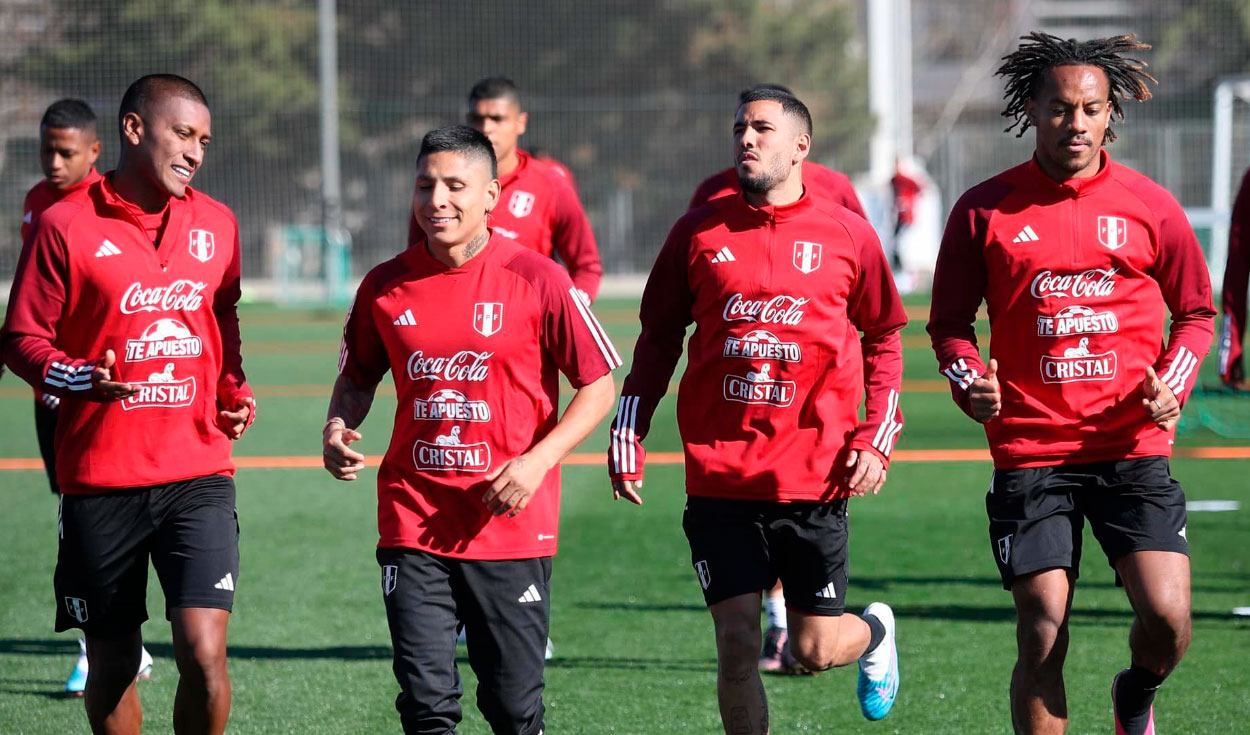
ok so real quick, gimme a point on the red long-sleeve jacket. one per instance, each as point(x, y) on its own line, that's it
point(768, 407)
point(820, 181)
point(93, 281)
point(1236, 281)
point(1078, 278)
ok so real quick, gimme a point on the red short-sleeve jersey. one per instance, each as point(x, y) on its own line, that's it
point(94, 281)
point(475, 353)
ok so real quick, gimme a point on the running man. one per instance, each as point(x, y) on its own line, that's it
point(475, 330)
point(1079, 260)
point(119, 279)
point(779, 285)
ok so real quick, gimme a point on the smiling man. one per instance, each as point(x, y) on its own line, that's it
point(138, 273)
point(475, 330)
point(780, 285)
point(1079, 261)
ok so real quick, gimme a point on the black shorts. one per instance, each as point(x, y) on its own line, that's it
point(504, 607)
point(1037, 514)
point(189, 528)
point(45, 432)
point(743, 546)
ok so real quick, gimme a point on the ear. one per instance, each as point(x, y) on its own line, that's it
point(802, 147)
point(1030, 111)
point(132, 128)
point(94, 152)
point(492, 194)
point(522, 120)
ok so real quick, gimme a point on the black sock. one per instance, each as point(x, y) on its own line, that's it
point(876, 633)
point(1134, 693)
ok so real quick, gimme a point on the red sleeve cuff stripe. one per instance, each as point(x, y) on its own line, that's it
point(1178, 372)
point(624, 459)
point(601, 337)
point(890, 428)
point(959, 373)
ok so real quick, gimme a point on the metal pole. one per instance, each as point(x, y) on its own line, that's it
point(331, 174)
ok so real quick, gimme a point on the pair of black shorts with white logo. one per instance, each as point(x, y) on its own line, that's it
point(1037, 514)
point(743, 546)
point(504, 607)
point(190, 529)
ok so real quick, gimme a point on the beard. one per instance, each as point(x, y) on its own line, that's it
point(777, 171)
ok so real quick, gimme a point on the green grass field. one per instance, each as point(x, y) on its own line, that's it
point(634, 650)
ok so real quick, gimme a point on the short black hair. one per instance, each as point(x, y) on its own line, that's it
point(145, 89)
point(69, 113)
point(460, 139)
point(1025, 70)
point(764, 85)
point(495, 88)
point(790, 104)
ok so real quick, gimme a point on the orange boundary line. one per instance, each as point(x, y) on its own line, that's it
point(596, 458)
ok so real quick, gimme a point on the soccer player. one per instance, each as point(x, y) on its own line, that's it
point(475, 329)
point(779, 284)
point(1079, 260)
point(538, 206)
point(818, 181)
point(1236, 280)
point(125, 310)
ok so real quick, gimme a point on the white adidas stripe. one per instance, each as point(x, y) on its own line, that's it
point(601, 337)
point(226, 583)
point(959, 373)
point(828, 592)
point(888, 428)
point(624, 455)
point(69, 377)
point(1177, 374)
point(530, 595)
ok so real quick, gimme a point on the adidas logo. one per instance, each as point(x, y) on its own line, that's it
point(828, 592)
point(226, 583)
point(406, 319)
point(723, 256)
point(1027, 235)
point(107, 249)
point(531, 595)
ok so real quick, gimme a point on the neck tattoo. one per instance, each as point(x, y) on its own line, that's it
point(476, 244)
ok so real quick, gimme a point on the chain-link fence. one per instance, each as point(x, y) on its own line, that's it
point(635, 96)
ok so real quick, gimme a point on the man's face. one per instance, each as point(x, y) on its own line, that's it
point(453, 194)
point(500, 120)
point(67, 155)
point(169, 140)
point(1071, 112)
point(767, 144)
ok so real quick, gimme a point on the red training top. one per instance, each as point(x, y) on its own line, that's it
point(1236, 281)
point(94, 281)
point(768, 407)
point(820, 181)
point(1076, 276)
point(540, 209)
point(474, 352)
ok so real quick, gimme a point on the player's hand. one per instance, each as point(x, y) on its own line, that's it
point(985, 396)
point(234, 423)
point(513, 483)
point(340, 461)
point(103, 387)
point(1160, 402)
point(627, 489)
point(866, 473)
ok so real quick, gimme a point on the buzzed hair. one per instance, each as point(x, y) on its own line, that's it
point(495, 88)
point(460, 139)
point(69, 113)
point(790, 104)
point(763, 85)
point(146, 90)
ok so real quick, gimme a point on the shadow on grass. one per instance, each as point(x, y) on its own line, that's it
point(633, 664)
point(640, 606)
point(882, 583)
point(56, 647)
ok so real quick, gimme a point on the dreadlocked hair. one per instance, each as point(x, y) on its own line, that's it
point(1025, 70)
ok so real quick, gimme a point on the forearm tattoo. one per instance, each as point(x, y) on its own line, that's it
point(349, 402)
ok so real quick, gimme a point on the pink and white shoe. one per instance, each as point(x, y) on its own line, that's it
point(1119, 729)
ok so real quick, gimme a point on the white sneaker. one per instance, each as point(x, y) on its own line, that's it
point(76, 684)
point(878, 671)
point(145, 666)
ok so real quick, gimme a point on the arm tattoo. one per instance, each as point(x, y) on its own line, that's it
point(350, 402)
point(739, 721)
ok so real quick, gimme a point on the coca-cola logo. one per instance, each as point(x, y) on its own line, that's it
point(181, 295)
point(1094, 282)
point(779, 309)
point(464, 365)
